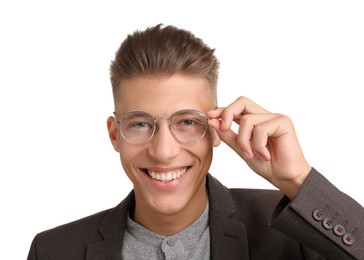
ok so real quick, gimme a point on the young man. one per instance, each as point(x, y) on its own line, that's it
point(165, 125)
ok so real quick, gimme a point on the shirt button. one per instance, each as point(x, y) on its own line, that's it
point(339, 230)
point(170, 242)
point(328, 223)
point(318, 214)
point(348, 239)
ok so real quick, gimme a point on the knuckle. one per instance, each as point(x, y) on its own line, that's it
point(242, 99)
point(284, 118)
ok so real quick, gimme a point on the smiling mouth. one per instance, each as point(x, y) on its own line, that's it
point(166, 176)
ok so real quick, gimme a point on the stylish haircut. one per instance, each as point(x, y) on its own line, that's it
point(163, 51)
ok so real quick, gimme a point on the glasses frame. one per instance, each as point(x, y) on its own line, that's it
point(155, 120)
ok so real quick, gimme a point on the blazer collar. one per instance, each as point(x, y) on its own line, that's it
point(228, 239)
point(112, 232)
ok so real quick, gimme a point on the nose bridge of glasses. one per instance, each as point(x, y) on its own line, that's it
point(166, 128)
point(157, 127)
point(156, 119)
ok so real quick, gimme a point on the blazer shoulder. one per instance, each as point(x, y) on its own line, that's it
point(69, 241)
point(84, 229)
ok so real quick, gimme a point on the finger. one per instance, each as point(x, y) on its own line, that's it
point(229, 137)
point(215, 113)
point(272, 129)
point(247, 126)
point(237, 109)
point(245, 106)
point(226, 120)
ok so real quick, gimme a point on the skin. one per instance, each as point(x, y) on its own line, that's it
point(165, 208)
point(266, 141)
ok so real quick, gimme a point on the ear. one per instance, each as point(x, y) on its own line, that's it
point(215, 138)
point(113, 132)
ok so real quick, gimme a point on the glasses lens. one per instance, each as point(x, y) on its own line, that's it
point(189, 125)
point(136, 127)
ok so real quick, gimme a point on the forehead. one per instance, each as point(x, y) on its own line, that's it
point(164, 95)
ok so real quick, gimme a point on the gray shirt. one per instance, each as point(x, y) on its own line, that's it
point(191, 243)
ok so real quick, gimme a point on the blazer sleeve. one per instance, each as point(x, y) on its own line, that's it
point(32, 253)
point(323, 218)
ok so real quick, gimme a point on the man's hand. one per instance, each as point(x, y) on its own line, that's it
point(266, 141)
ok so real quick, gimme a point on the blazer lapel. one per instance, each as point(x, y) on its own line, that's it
point(228, 237)
point(112, 232)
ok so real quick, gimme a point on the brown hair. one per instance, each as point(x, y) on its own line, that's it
point(159, 51)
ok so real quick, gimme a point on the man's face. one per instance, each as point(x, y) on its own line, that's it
point(164, 154)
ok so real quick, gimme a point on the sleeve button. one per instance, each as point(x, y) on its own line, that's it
point(339, 230)
point(348, 239)
point(318, 214)
point(328, 223)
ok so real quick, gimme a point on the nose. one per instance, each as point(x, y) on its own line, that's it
point(163, 146)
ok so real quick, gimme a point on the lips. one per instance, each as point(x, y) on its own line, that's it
point(166, 176)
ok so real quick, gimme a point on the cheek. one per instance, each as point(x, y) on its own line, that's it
point(128, 155)
point(203, 150)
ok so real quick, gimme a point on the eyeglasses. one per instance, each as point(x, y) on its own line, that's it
point(187, 126)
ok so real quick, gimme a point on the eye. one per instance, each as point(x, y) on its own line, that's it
point(187, 122)
point(136, 122)
point(139, 125)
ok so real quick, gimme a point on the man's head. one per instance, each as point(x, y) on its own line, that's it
point(157, 76)
point(163, 51)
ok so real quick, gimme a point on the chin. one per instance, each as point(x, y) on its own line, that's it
point(169, 206)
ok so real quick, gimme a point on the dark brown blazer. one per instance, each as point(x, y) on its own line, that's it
point(244, 224)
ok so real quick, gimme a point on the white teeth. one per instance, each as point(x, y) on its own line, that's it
point(167, 176)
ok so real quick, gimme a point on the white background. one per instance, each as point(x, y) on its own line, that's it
point(304, 59)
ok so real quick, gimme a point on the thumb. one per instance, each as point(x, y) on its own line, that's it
point(227, 136)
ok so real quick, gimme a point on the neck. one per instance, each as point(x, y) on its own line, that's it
point(167, 224)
